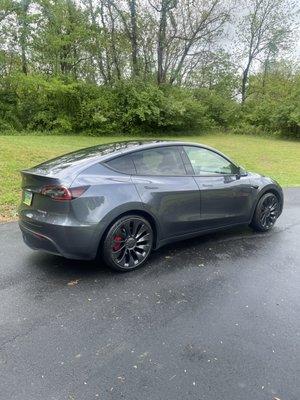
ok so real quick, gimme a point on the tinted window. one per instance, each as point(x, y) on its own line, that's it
point(207, 162)
point(159, 161)
point(122, 164)
point(60, 163)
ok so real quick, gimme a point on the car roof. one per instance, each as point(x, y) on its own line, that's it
point(149, 144)
point(78, 160)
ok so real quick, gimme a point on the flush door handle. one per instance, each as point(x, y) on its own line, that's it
point(150, 187)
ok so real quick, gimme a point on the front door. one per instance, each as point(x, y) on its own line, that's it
point(226, 197)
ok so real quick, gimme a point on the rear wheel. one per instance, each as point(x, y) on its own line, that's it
point(128, 243)
point(266, 213)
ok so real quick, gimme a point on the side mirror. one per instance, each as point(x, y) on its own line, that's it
point(241, 172)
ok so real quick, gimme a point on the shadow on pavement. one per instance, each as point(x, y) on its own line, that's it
point(56, 267)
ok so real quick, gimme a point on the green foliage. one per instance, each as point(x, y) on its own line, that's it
point(223, 111)
point(274, 105)
point(53, 104)
point(36, 103)
point(96, 114)
point(134, 107)
point(182, 111)
point(93, 67)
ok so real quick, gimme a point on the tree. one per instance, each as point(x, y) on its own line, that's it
point(263, 30)
point(61, 39)
point(133, 37)
point(131, 29)
point(23, 22)
point(164, 8)
point(185, 28)
point(113, 64)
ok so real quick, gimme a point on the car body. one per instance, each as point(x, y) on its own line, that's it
point(182, 189)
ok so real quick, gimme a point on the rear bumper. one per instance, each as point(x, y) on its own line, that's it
point(74, 242)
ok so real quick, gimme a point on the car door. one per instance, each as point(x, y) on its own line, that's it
point(226, 196)
point(166, 190)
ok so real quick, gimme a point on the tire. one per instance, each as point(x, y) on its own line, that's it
point(128, 243)
point(266, 213)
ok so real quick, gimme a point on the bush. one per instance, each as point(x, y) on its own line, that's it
point(276, 109)
point(141, 107)
point(55, 105)
point(223, 111)
point(51, 104)
point(181, 111)
point(37, 103)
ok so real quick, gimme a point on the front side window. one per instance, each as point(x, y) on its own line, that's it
point(207, 162)
point(159, 161)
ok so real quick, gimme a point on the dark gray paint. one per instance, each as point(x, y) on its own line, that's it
point(178, 207)
point(225, 200)
point(221, 311)
point(175, 200)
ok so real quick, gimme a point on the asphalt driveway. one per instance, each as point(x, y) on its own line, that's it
point(214, 318)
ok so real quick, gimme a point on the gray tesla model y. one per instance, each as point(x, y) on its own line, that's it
point(119, 201)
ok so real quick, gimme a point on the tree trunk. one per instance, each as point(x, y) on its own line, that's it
point(265, 72)
point(245, 81)
point(161, 45)
point(133, 38)
point(24, 33)
point(113, 43)
point(99, 59)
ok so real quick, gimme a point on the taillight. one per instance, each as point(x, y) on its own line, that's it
point(58, 192)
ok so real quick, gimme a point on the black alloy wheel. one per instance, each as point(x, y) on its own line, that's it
point(128, 243)
point(266, 213)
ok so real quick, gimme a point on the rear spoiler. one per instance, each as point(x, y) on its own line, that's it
point(34, 182)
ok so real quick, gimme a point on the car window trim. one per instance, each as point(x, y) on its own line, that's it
point(186, 161)
point(180, 148)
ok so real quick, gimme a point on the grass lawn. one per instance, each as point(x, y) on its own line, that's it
point(277, 158)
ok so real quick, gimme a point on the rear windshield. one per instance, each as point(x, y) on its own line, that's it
point(60, 163)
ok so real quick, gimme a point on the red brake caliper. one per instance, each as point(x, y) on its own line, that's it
point(118, 241)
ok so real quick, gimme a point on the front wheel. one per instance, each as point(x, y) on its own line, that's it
point(266, 213)
point(128, 243)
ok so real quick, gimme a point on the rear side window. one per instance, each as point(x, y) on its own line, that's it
point(122, 164)
point(159, 161)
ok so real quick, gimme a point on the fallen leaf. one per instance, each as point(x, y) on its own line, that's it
point(73, 283)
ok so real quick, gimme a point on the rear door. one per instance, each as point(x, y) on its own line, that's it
point(166, 190)
point(226, 197)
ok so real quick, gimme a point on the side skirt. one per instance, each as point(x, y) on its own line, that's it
point(172, 239)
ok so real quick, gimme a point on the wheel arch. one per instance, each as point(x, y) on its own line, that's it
point(265, 190)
